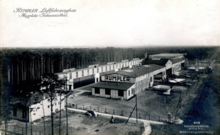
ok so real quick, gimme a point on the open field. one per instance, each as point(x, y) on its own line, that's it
point(79, 124)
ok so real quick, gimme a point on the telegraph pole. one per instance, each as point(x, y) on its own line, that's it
point(66, 109)
point(136, 110)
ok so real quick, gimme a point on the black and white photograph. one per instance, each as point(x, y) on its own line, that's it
point(109, 67)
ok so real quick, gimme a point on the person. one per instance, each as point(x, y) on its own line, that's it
point(112, 120)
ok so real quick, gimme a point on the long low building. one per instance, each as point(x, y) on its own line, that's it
point(79, 77)
point(125, 83)
point(167, 64)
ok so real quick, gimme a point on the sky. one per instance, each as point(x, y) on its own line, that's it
point(112, 23)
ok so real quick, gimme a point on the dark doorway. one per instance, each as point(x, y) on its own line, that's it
point(79, 82)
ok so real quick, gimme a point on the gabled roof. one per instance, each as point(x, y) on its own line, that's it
point(113, 85)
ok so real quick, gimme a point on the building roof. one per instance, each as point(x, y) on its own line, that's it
point(136, 71)
point(167, 55)
point(176, 60)
point(157, 61)
point(113, 85)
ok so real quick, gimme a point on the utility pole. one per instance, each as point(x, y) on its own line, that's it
point(66, 109)
point(180, 100)
point(60, 115)
point(136, 110)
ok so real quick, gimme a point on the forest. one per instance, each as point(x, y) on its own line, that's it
point(29, 64)
point(22, 68)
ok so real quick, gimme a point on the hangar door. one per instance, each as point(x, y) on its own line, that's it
point(79, 82)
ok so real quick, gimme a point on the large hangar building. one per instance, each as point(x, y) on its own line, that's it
point(81, 77)
point(123, 84)
point(126, 78)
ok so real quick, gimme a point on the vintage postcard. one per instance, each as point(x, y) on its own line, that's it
point(109, 67)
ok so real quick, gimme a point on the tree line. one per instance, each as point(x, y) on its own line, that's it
point(22, 68)
point(25, 64)
point(30, 64)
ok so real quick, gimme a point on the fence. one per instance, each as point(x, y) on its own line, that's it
point(18, 130)
point(145, 116)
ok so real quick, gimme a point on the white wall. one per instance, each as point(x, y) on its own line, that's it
point(127, 92)
point(41, 109)
point(113, 66)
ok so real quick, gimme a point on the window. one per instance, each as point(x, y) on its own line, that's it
point(151, 79)
point(105, 68)
point(120, 93)
point(109, 67)
point(93, 71)
point(82, 73)
point(76, 74)
point(97, 91)
point(97, 70)
point(87, 72)
point(107, 91)
point(133, 91)
point(129, 93)
point(102, 69)
point(14, 111)
point(48, 106)
point(70, 75)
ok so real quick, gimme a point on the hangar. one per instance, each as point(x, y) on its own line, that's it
point(123, 84)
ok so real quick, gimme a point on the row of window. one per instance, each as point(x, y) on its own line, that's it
point(108, 92)
point(110, 68)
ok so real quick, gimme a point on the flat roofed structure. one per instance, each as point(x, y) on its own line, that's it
point(156, 61)
point(113, 85)
point(167, 55)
